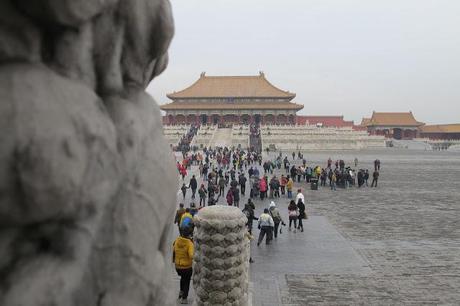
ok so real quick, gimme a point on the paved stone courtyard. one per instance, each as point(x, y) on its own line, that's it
point(398, 244)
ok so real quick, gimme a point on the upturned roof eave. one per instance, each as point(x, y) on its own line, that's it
point(290, 106)
point(173, 97)
point(391, 125)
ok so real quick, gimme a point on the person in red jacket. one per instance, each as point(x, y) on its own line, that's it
point(263, 187)
point(230, 197)
point(283, 182)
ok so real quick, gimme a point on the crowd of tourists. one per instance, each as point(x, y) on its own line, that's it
point(184, 145)
point(231, 173)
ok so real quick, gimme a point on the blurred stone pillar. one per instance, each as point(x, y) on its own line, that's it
point(221, 261)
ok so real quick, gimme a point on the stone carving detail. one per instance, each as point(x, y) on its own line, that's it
point(221, 261)
point(84, 169)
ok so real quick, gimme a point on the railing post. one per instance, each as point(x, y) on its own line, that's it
point(221, 261)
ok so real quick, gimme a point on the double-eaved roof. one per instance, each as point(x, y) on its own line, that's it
point(231, 87)
point(393, 119)
point(231, 92)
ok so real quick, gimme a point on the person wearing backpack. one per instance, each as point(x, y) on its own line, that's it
point(183, 251)
point(276, 216)
point(248, 211)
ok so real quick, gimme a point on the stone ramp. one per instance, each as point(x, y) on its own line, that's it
point(222, 138)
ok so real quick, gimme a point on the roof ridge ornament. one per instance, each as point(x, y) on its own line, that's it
point(203, 74)
point(261, 73)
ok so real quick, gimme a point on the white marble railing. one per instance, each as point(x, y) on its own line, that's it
point(316, 138)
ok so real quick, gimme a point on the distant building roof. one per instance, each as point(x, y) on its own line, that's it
point(393, 119)
point(231, 105)
point(365, 121)
point(327, 121)
point(441, 128)
point(231, 87)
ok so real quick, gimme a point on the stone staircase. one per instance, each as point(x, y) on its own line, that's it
point(255, 139)
point(222, 138)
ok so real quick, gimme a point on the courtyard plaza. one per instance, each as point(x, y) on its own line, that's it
point(398, 244)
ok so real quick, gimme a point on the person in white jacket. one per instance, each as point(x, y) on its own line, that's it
point(266, 225)
point(299, 196)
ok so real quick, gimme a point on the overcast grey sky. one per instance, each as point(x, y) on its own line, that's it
point(345, 57)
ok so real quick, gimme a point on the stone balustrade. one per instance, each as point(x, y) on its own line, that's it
point(307, 137)
point(204, 135)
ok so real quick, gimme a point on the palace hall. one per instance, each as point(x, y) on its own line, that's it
point(227, 100)
point(395, 125)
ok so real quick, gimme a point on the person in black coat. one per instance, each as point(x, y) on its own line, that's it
point(301, 207)
point(249, 212)
point(375, 178)
point(236, 196)
point(193, 184)
point(293, 172)
point(242, 180)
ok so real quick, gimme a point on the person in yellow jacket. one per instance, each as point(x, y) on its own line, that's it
point(318, 171)
point(289, 185)
point(183, 250)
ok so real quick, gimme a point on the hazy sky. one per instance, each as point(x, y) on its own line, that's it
point(345, 57)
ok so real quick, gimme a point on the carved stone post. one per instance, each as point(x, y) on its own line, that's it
point(221, 260)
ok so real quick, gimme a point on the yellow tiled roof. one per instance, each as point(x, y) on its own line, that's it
point(365, 121)
point(393, 119)
point(224, 106)
point(231, 87)
point(441, 128)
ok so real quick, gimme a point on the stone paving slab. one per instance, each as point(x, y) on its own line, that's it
point(400, 242)
point(319, 249)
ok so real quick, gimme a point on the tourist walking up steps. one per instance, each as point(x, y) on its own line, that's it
point(293, 213)
point(266, 225)
point(183, 257)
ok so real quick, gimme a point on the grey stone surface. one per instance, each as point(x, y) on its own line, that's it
point(221, 259)
point(84, 168)
point(398, 244)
